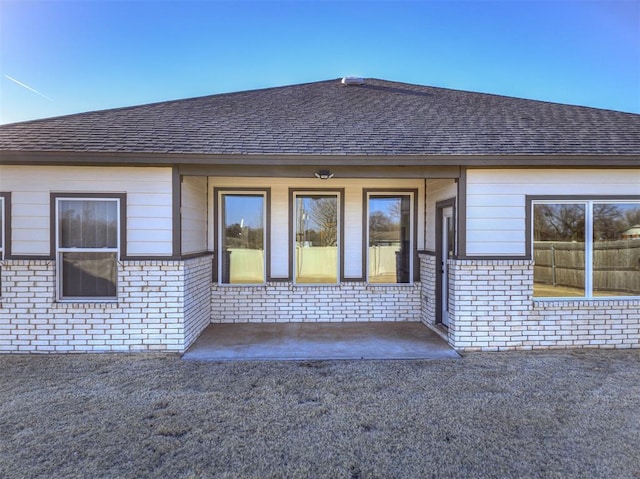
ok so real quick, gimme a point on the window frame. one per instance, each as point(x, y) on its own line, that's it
point(588, 202)
point(57, 251)
point(389, 193)
point(218, 192)
point(339, 193)
point(413, 234)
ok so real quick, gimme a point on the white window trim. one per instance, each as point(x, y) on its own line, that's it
point(220, 230)
point(588, 248)
point(60, 251)
point(331, 193)
point(391, 194)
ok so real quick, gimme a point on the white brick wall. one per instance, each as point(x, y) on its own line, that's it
point(492, 309)
point(197, 297)
point(149, 314)
point(428, 280)
point(285, 302)
point(164, 305)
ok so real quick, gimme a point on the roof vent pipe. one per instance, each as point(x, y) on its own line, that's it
point(352, 81)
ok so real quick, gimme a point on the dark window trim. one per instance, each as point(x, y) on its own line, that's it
point(6, 227)
point(292, 193)
point(529, 199)
point(365, 223)
point(122, 250)
point(53, 217)
point(216, 227)
point(278, 280)
point(440, 206)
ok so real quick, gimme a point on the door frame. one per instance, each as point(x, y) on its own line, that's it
point(440, 254)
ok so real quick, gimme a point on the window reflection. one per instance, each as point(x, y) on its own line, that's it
point(243, 242)
point(87, 245)
point(89, 275)
point(316, 238)
point(389, 239)
point(616, 249)
point(88, 224)
point(559, 250)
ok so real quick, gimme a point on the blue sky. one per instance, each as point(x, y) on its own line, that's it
point(89, 55)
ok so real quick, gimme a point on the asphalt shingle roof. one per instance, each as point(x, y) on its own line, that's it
point(328, 118)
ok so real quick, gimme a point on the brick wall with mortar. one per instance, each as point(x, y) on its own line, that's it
point(492, 309)
point(428, 281)
point(148, 315)
point(197, 297)
point(285, 302)
point(164, 305)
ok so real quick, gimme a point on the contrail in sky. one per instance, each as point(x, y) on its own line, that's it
point(27, 87)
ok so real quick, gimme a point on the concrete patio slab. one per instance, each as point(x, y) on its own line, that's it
point(315, 341)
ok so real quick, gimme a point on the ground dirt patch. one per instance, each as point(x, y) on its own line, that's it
point(548, 414)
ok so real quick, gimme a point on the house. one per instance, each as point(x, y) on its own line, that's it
point(632, 233)
point(498, 222)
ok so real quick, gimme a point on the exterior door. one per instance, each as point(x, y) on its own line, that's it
point(445, 250)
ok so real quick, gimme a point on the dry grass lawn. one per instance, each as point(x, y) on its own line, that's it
point(502, 415)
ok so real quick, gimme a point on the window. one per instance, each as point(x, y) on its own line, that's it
point(87, 247)
point(616, 249)
point(389, 233)
point(317, 237)
point(242, 238)
point(586, 248)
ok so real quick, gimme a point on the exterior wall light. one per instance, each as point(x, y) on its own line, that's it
point(323, 174)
